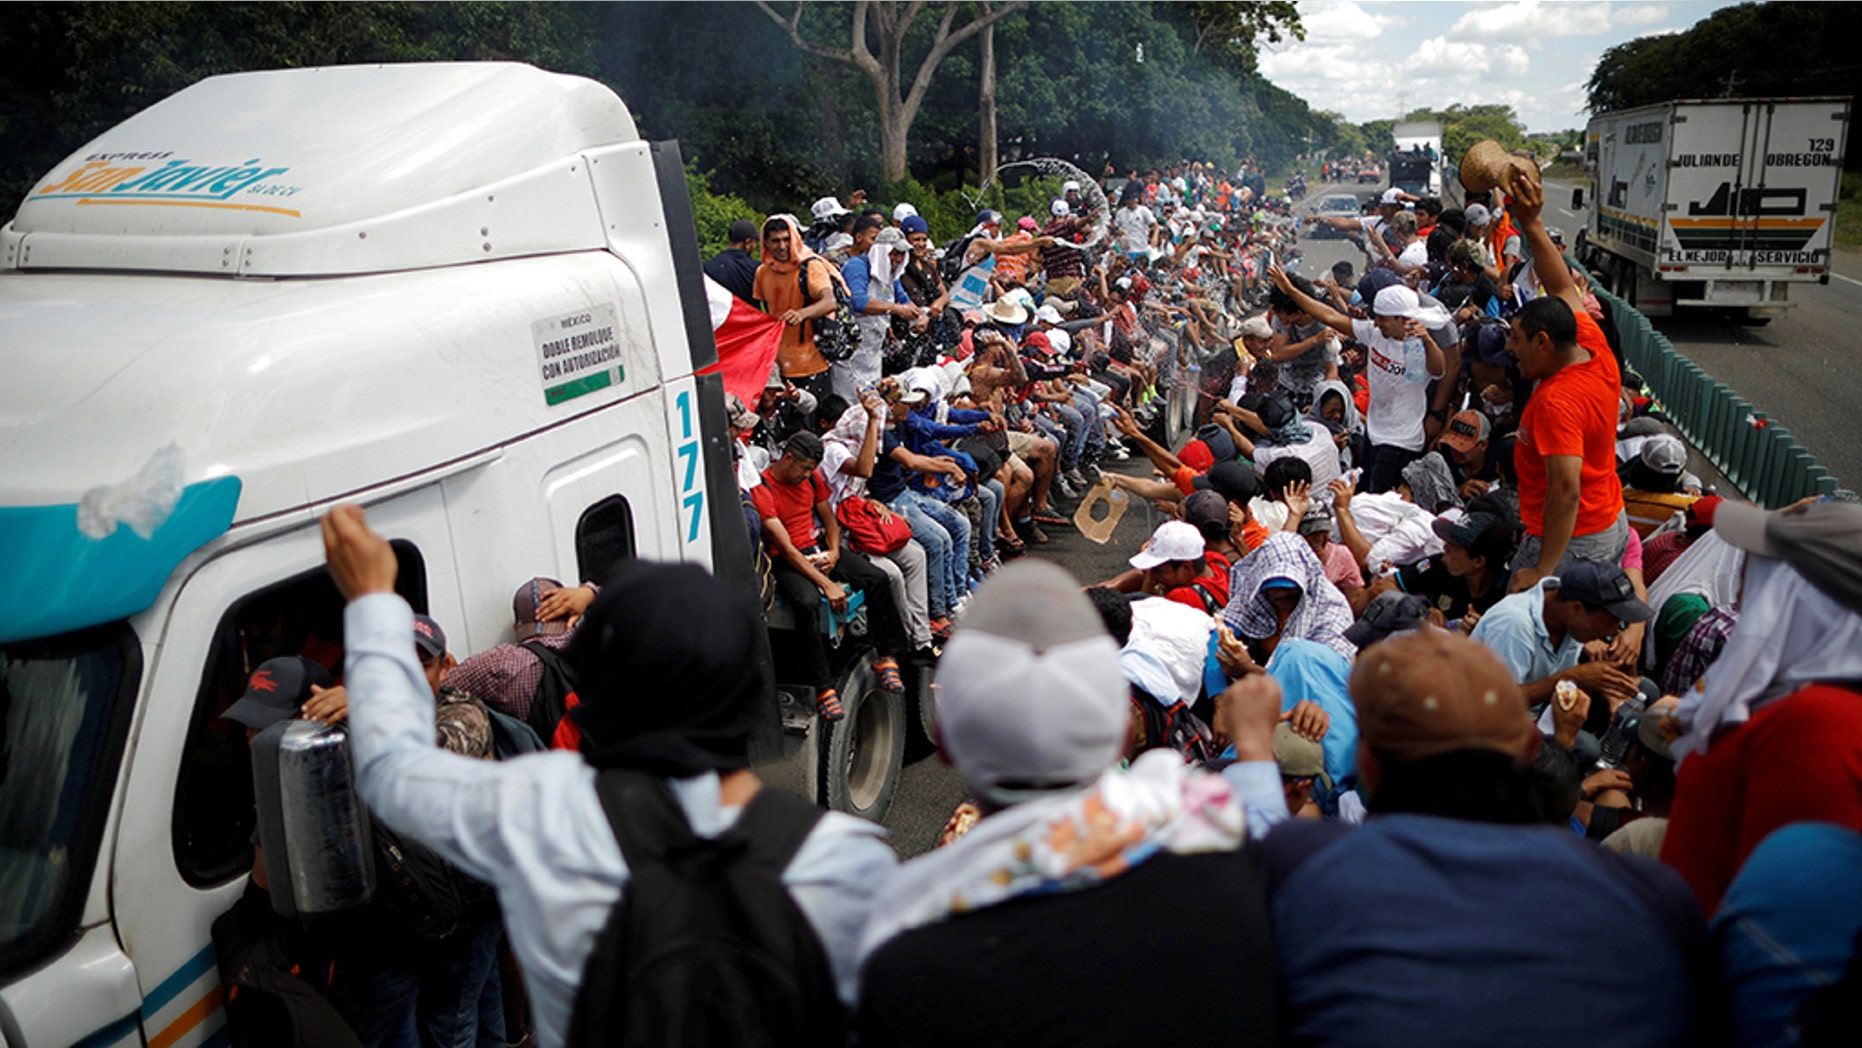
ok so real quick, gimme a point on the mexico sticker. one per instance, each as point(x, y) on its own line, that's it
point(578, 353)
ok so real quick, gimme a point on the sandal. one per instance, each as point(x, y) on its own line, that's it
point(827, 704)
point(1047, 516)
point(888, 671)
point(1011, 542)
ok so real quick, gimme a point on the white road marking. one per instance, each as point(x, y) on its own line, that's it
point(1850, 280)
point(1565, 213)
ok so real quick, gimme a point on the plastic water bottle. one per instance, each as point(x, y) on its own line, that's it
point(1415, 361)
point(1616, 743)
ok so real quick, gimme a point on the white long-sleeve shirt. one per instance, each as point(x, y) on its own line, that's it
point(533, 826)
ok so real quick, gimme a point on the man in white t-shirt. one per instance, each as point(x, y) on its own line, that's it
point(1401, 358)
point(1136, 225)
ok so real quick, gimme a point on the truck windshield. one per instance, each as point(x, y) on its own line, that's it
point(64, 711)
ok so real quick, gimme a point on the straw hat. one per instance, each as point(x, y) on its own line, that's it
point(1006, 311)
point(1487, 165)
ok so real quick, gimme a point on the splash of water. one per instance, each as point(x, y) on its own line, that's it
point(1095, 198)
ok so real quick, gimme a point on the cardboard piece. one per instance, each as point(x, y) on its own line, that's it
point(1116, 501)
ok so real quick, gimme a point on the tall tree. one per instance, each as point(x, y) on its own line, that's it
point(888, 22)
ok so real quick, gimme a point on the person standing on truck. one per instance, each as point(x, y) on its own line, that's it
point(661, 699)
point(1570, 500)
point(872, 287)
point(797, 285)
point(804, 541)
point(735, 266)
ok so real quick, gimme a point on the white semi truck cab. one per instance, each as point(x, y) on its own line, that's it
point(467, 296)
point(1714, 202)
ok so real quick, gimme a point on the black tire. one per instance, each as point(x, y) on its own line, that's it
point(863, 753)
point(921, 695)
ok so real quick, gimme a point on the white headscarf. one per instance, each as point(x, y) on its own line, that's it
point(1710, 567)
point(840, 446)
point(1790, 634)
point(879, 263)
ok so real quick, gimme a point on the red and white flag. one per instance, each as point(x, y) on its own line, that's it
point(747, 338)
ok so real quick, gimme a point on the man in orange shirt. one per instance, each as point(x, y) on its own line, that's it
point(1570, 500)
point(778, 286)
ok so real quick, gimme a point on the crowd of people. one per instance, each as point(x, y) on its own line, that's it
point(1445, 706)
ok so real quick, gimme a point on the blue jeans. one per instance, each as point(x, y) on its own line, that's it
point(461, 998)
point(1074, 440)
point(1088, 403)
point(989, 493)
point(944, 532)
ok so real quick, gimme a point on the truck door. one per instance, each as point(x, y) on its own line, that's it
point(185, 849)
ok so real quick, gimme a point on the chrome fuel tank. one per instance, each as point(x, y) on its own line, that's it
point(312, 825)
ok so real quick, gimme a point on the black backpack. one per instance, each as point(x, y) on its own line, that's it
point(950, 265)
point(705, 945)
point(422, 892)
point(553, 690)
point(836, 337)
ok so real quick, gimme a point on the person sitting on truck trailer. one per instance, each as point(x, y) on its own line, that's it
point(661, 697)
point(804, 540)
point(1571, 502)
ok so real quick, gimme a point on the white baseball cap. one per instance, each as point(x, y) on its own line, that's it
point(1047, 314)
point(826, 207)
point(1060, 209)
point(1173, 540)
point(1392, 195)
point(1396, 301)
point(903, 212)
point(1070, 186)
point(1031, 699)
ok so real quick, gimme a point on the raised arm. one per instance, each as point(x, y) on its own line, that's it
point(1528, 200)
point(1314, 308)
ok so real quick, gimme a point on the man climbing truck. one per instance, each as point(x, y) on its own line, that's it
point(466, 296)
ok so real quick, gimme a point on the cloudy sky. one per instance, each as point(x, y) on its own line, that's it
point(1364, 58)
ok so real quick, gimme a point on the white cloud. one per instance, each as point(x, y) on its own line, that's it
point(1638, 14)
point(1334, 21)
point(1532, 19)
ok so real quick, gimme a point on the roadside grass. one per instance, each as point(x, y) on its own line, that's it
point(1564, 169)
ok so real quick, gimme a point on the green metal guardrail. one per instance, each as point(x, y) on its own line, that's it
point(1765, 462)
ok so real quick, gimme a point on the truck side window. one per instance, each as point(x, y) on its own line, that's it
point(214, 815)
point(603, 538)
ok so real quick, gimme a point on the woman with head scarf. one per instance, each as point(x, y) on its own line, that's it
point(670, 695)
point(1280, 592)
point(1772, 734)
point(1333, 408)
point(787, 266)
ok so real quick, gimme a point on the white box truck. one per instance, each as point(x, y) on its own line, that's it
point(1713, 202)
point(467, 296)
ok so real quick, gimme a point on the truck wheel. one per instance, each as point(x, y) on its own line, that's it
point(921, 693)
point(865, 750)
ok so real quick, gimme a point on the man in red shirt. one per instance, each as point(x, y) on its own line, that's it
point(805, 547)
point(1570, 500)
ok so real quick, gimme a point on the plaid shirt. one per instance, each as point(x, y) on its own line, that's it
point(1698, 650)
point(1659, 552)
point(505, 676)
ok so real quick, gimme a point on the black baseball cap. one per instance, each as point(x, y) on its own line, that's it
point(1598, 585)
point(1234, 480)
point(741, 230)
point(1275, 411)
point(804, 445)
point(1388, 613)
point(276, 690)
point(1466, 530)
point(429, 638)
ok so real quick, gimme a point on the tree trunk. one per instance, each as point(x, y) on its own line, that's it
point(986, 113)
point(895, 125)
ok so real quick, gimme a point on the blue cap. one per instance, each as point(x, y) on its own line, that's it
point(914, 224)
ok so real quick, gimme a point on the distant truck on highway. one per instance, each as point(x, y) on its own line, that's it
point(1416, 162)
point(1713, 202)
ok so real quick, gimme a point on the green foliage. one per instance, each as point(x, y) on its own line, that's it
point(1462, 126)
point(1749, 50)
point(1849, 211)
point(713, 213)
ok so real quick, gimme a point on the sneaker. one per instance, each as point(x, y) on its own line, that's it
point(1118, 453)
point(1078, 481)
point(1091, 473)
point(1065, 487)
point(1036, 535)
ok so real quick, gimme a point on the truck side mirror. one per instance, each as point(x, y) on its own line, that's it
point(1577, 200)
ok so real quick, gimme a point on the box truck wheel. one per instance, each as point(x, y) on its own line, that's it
point(865, 750)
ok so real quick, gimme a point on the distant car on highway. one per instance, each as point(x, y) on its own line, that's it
point(1335, 205)
point(1370, 173)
